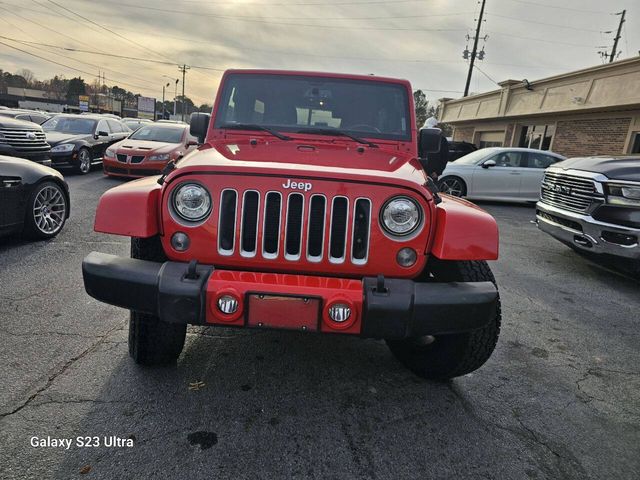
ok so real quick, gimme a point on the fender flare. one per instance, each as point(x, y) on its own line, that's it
point(130, 209)
point(464, 231)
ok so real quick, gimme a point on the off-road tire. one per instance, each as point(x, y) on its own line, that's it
point(451, 356)
point(152, 341)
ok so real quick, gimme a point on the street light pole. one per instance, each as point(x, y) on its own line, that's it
point(175, 95)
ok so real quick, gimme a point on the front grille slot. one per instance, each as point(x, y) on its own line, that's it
point(338, 230)
point(20, 140)
point(137, 158)
point(361, 225)
point(227, 222)
point(121, 157)
point(293, 235)
point(271, 225)
point(315, 233)
point(249, 226)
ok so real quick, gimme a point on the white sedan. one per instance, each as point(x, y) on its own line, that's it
point(498, 173)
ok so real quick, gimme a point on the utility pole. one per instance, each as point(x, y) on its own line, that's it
point(618, 35)
point(475, 50)
point(183, 69)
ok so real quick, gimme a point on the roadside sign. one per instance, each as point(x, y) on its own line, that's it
point(146, 107)
point(83, 103)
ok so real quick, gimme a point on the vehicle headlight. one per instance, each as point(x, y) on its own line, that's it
point(401, 216)
point(192, 202)
point(110, 152)
point(160, 158)
point(623, 194)
point(65, 147)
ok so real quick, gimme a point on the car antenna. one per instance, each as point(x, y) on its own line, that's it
point(168, 168)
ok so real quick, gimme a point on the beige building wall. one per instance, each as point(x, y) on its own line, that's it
point(595, 111)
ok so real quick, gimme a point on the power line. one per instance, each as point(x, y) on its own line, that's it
point(107, 29)
point(68, 66)
point(319, 4)
point(555, 25)
point(64, 56)
point(536, 39)
point(546, 5)
point(255, 20)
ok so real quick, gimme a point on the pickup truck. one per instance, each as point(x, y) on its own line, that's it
point(305, 208)
point(592, 205)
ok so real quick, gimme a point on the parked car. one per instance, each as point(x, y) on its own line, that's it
point(592, 204)
point(304, 210)
point(148, 150)
point(179, 122)
point(26, 115)
point(136, 123)
point(22, 139)
point(460, 149)
point(81, 140)
point(34, 198)
point(498, 173)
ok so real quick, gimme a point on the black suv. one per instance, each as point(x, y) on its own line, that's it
point(592, 204)
point(22, 139)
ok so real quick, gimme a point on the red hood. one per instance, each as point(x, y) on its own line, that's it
point(337, 160)
point(144, 147)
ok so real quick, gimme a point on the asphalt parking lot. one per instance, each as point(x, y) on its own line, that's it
point(560, 398)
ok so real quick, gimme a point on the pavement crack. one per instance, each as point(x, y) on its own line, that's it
point(59, 372)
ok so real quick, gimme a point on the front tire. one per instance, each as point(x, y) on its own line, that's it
point(447, 356)
point(84, 161)
point(152, 341)
point(454, 186)
point(47, 211)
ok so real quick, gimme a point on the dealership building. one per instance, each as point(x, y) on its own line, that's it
point(595, 111)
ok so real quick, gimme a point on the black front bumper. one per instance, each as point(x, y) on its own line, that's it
point(43, 158)
point(396, 309)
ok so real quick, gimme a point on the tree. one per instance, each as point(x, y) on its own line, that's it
point(57, 87)
point(76, 87)
point(28, 76)
point(421, 102)
point(205, 107)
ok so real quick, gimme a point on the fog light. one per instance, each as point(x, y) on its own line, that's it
point(406, 257)
point(339, 312)
point(180, 241)
point(228, 304)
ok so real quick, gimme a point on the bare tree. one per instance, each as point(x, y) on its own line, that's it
point(28, 75)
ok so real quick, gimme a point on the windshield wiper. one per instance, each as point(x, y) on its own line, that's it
point(337, 131)
point(255, 126)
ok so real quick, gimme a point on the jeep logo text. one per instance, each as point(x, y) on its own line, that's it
point(304, 186)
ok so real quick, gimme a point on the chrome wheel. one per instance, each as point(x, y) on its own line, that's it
point(452, 186)
point(84, 161)
point(49, 210)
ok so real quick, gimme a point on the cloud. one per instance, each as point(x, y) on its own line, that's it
point(420, 40)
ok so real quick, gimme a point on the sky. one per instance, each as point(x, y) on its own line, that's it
point(420, 40)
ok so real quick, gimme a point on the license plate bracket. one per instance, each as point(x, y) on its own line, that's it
point(288, 312)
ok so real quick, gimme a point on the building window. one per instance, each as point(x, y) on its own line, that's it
point(635, 143)
point(537, 136)
point(491, 139)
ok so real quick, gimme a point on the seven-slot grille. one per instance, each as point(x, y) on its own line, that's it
point(273, 226)
point(568, 191)
point(24, 140)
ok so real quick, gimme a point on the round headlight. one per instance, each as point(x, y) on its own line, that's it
point(192, 202)
point(401, 216)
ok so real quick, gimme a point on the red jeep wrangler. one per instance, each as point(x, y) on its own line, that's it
point(305, 208)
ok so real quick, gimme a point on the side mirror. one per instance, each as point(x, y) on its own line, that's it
point(102, 133)
point(198, 125)
point(429, 141)
point(193, 143)
point(489, 163)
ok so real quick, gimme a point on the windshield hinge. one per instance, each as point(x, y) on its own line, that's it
point(169, 167)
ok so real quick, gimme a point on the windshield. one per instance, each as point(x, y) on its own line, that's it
point(158, 133)
point(474, 157)
point(69, 125)
point(290, 103)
